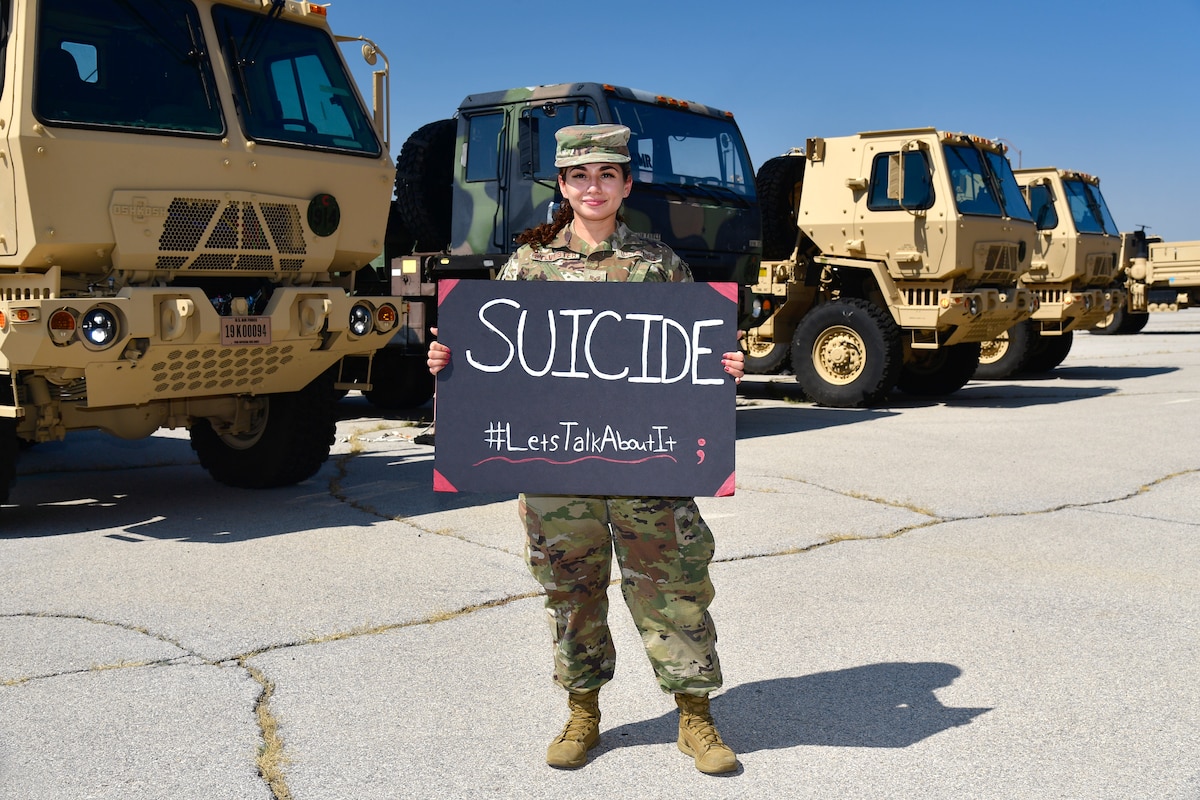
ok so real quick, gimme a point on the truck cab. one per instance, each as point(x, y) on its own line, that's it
point(1075, 262)
point(187, 189)
point(466, 187)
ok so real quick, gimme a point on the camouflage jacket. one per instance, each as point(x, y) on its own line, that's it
point(624, 256)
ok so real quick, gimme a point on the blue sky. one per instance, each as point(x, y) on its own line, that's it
point(1110, 88)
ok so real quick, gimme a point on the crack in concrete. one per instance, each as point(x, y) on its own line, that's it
point(335, 490)
point(1094, 506)
point(272, 759)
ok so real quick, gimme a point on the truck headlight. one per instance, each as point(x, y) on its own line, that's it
point(99, 328)
point(361, 319)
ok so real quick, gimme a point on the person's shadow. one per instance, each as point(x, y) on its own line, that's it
point(877, 705)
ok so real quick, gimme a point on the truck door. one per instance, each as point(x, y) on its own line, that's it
point(481, 178)
point(8, 183)
point(899, 202)
point(534, 187)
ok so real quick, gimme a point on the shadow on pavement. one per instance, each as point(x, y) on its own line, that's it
point(755, 421)
point(877, 705)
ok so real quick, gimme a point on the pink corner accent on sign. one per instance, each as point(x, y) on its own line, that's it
point(445, 286)
point(727, 487)
point(440, 484)
point(727, 289)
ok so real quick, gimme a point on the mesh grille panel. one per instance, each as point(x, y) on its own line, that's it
point(219, 369)
point(284, 223)
point(210, 235)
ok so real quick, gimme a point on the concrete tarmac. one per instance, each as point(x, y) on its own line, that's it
point(993, 595)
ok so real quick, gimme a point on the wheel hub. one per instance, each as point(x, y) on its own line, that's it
point(839, 355)
point(993, 349)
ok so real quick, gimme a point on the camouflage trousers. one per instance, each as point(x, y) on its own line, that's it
point(663, 548)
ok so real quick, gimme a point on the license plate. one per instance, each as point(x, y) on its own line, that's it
point(245, 330)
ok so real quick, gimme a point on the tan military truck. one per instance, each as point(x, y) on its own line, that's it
point(888, 257)
point(1075, 262)
point(187, 188)
point(1156, 276)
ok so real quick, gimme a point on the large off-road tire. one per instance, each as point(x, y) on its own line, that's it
point(1005, 355)
point(425, 185)
point(847, 353)
point(1047, 352)
point(290, 443)
point(1121, 322)
point(10, 446)
point(763, 357)
point(1135, 322)
point(399, 381)
point(933, 373)
point(778, 185)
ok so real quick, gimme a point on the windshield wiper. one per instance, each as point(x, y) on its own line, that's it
point(1094, 206)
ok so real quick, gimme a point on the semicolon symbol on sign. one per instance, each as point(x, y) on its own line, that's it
point(700, 452)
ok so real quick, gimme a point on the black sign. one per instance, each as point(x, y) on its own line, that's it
point(580, 388)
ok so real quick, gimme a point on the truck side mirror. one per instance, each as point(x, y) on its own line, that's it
point(527, 142)
point(895, 177)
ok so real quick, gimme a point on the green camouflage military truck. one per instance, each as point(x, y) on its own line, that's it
point(888, 257)
point(465, 187)
point(1075, 263)
point(1156, 276)
point(188, 189)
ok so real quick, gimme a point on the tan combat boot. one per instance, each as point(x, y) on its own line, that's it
point(698, 736)
point(580, 734)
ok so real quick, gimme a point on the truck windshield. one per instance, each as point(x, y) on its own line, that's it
point(114, 63)
point(984, 183)
point(1088, 208)
point(291, 85)
point(682, 148)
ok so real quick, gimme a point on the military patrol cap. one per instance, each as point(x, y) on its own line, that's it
point(591, 144)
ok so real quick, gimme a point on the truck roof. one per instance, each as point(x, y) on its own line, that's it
point(558, 91)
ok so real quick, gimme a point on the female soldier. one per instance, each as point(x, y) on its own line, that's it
point(662, 545)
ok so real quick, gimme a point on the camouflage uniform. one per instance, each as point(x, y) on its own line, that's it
point(662, 544)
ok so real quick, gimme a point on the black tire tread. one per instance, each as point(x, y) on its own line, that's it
point(300, 431)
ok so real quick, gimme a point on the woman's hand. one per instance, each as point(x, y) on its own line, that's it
point(439, 355)
point(735, 364)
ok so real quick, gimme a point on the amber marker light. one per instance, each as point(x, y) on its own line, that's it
point(62, 326)
point(386, 317)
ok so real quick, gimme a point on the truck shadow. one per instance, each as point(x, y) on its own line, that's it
point(166, 502)
point(1000, 395)
point(876, 705)
point(758, 421)
point(1098, 373)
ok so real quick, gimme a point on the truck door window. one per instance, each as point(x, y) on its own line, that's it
point(483, 146)
point(1041, 207)
point(547, 120)
point(917, 192)
point(5, 25)
point(105, 63)
point(290, 84)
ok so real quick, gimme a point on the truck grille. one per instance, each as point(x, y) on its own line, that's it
point(922, 297)
point(209, 235)
point(996, 263)
point(1102, 267)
